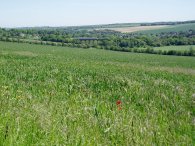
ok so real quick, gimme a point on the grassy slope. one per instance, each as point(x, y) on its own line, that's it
point(177, 48)
point(55, 95)
point(174, 28)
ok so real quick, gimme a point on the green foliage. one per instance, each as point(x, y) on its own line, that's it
point(191, 51)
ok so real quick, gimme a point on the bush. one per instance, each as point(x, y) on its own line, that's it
point(191, 51)
point(149, 50)
point(171, 52)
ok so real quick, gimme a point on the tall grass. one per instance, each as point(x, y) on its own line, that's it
point(67, 96)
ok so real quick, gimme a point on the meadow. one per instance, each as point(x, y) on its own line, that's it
point(176, 48)
point(174, 28)
point(53, 95)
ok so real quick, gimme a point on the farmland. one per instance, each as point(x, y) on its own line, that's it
point(176, 48)
point(137, 28)
point(152, 29)
point(112, 37)
point(53, 95)
point(125, 37)
point(174, 28)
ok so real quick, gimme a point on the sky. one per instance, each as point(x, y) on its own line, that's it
point(31, 13)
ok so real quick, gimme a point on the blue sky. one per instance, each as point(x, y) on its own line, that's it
point(20, 13)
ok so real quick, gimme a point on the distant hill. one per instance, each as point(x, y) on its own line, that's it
point(152, 28)
point(172, 28)
point(113, 26)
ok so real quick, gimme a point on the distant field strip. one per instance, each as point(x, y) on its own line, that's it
point(138, 28)
point(172, 28)
point(176, 48)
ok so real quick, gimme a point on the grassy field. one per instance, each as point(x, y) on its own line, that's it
point(67, 96)
point(174, 28)
point(176, 48)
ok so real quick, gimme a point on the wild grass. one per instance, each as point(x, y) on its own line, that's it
point(67, 96)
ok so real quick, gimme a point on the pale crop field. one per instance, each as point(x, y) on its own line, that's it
point(68, 96)
point(137, 28)
point(153, 29)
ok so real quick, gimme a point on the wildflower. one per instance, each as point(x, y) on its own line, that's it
point(118, 102)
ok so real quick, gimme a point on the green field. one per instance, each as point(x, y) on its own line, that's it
point(176, 48)
point(174, 28)
point(67, 96)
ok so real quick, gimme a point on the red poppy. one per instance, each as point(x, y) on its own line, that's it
point(118, 102)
